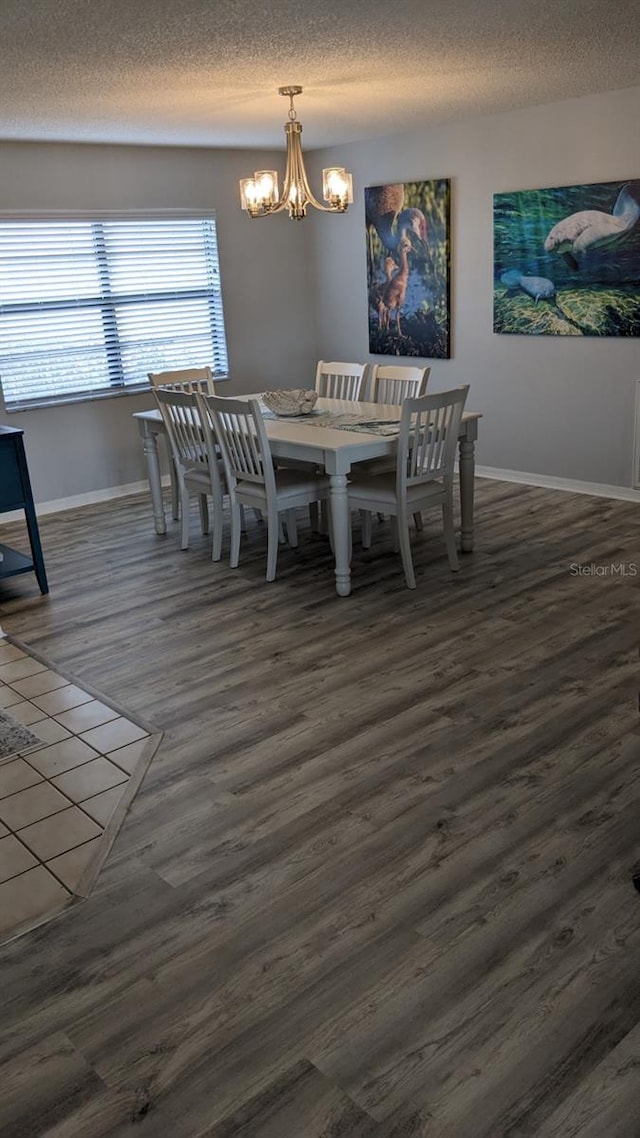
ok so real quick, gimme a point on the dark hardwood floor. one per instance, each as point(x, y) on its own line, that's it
point(378, 880)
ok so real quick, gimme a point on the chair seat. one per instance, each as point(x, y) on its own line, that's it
point(197, 474)
point(200, 472)
point(290, 485)
point(380, 489)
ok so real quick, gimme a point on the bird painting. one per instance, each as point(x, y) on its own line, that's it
point(385, 213)
point(377, 293)
point(407, 227)
point(395, 290)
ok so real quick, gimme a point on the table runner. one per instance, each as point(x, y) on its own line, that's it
point(339, 422)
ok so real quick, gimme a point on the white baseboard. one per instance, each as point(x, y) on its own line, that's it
point(92, 497)
point(89, 499)
point(596, 489)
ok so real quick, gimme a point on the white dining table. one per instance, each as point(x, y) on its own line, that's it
point(319, 439)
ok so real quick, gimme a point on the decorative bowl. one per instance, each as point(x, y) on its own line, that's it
point(298, 401)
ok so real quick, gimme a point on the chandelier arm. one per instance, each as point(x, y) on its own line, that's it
point(296, 175)
point(277, 207)
point(302, 173)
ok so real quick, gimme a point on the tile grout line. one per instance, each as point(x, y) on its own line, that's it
point(121, 790)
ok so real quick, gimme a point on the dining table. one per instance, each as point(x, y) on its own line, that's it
point(337, 434)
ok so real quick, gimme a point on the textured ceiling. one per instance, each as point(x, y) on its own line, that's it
point(206, 72)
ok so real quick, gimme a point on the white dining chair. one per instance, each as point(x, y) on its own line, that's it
point(340, 380)
point(391, 384)
point(427, 443)
point(333, 381)
point(199, 470)
point(181, 379)
point(251, 477)
point(185, 379)
point(336, 381)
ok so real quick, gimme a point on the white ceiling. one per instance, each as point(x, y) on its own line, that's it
point(206, 72)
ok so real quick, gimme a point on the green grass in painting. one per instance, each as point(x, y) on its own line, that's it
point(575, 312)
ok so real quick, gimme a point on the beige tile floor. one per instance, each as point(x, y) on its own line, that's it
point(56, 802)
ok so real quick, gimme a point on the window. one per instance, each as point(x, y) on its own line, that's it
point(89, 307)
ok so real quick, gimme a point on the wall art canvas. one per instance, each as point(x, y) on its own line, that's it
point(567, 260)
point(408, 268)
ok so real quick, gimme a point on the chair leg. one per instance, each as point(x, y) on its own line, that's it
point(417, 519)
point(402, 524)
point(184, 505)
point(235, 535)
point(449, 533)
point(204, 513)
point(365, 518)
point(218, 521)
point(323, 517)
point(273, 535)
point(175, 486)
point(326, 507)
point(292, 528)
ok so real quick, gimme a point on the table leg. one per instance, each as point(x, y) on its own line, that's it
point(340, 520)
point(150, 444)
point(467, 484)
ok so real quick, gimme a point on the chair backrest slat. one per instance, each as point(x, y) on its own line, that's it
point(242, 438)
point(429, 431)
point(190, 437)
point(182, 421)
point(340, 380)
point(390, 384)
point(185, 379)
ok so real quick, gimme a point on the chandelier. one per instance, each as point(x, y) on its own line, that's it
point(259, 195)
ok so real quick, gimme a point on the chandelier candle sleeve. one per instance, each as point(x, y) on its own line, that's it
point(259, 194)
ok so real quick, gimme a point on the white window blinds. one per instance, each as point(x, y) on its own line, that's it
point(88, 307)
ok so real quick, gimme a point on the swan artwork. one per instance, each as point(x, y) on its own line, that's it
point(590, 229)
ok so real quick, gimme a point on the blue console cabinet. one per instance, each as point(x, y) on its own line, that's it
point(15, 494)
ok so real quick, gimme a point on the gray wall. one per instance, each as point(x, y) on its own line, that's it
point(267, 290)
point(557, 406)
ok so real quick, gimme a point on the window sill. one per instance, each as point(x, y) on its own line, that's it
point(86, 397)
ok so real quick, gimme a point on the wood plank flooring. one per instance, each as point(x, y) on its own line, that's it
point(377, 882)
